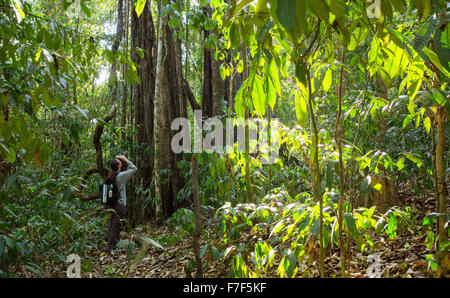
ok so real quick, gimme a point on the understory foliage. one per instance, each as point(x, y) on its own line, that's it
point(360, 102)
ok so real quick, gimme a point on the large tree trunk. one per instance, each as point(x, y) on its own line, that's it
point(169, 104)
point(143, 37)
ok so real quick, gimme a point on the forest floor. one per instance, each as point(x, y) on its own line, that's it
point(403, 256)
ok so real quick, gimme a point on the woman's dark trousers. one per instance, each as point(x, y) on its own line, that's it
point(115, 225)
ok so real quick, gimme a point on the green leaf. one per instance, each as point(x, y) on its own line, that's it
point(442, 46)
point(300, 71)
point(320, 9)
point(234, 35)
point(351, 224)
point(358, 36)
point(17, 7)
point(23, 249)
point(300, 17)
point(431, 218)
point(286, 14)
point(259, 99)
point(301, 109)
point(400, 163)
point(280, 225)
point(338, 8)
point(85, 9)
point(427, 124)
point(9, 242)
point(328, 79)
point(391, 229)
point(140, 4)
point(423, 35)
point(417, 160)
point(429, 241)
point(239, 106)
point(11, 155)
point(275, 79)
point(407, 120)
point(291, 264)
point(373, 55)
point(435, 60)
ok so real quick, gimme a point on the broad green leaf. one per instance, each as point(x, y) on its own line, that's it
point(427, 124)
point(378, 187)
point(280, 225)
point(442, 46)
point(424, 33)
point(239, 105)
point(291, 264)
point(373, 54)
point(85, 9)
point(17, 7)
point(320, 9)
point(140, 4)
point(261, 6)
point(358, 36)
point(351, 224)
point(259, 99)
point(273, 70)
point(9, 242)
point(435, 60)
point(286, 14)
point(300, 71)
point(429, 241)
point(391, 229)
point(401, 163)
point(417, 160)
point(234, 35)
point(300, 16)
point(11, 155)
point(328, 79)
point(301, 109)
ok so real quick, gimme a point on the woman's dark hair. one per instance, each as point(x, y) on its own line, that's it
point(114, 169)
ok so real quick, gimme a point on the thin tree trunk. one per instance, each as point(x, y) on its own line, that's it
point(157, 108)
point(338, 137)
point(198, 220)
point(316, 173)
point(247, 133)
point(440, 169)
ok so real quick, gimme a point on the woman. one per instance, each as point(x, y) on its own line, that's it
point(115, 225)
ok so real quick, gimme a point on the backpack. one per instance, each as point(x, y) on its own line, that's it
point(108, 192)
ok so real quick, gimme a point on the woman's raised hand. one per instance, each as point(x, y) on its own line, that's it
point(121, 157)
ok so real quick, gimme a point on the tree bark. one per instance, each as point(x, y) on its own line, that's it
point(247, 132)
point(169, 104)
point(213, 91)
point(143, 37)
point(339, 133)
point(440, 170)
point(316, 180)
point(198, 220)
